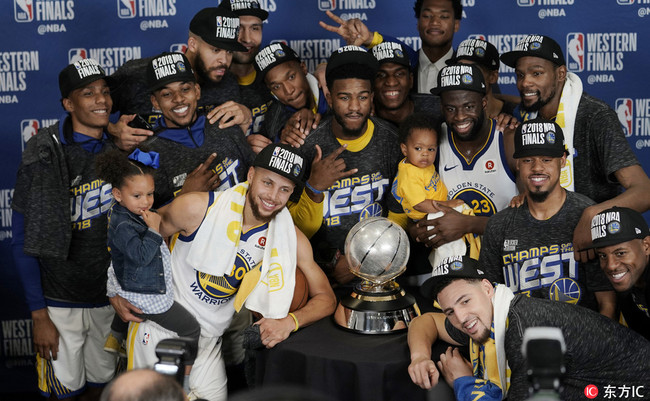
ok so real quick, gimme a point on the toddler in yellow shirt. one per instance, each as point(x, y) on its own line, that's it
point(418, 184)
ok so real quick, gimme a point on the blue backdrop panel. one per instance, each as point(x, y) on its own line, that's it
point(39, 37)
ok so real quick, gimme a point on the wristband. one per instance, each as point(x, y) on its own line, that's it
point(295, 321)
point(314, 190)
point(376, 39)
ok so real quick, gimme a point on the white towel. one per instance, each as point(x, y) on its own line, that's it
point(501, 306)
point(457, 247)
point(566, 119)
point(268, 290)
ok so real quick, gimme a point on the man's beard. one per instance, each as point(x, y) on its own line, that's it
point(203, 73)
point(255, 208)
point(485, 335)
point(538, 197)
point(538, 104)
point(476, 129)
point(242, 58)
point(354, 133)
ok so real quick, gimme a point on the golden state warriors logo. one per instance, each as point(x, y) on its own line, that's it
point(372, 210)
point(613, 227)
point(535, 45)
point(457, 265)
point(221, 287)
point(550, 137)
point(565, 290)
point(467, 79)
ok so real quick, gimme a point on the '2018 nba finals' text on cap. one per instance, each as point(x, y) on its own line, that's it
point(460, 77)
point(535, 46)
point(616, 225)
point(453, 267)
point(79, 74)
point(283, 160)
point(167, 68)
point(539, 137)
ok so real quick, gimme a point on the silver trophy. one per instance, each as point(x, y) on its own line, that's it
point(377, 251)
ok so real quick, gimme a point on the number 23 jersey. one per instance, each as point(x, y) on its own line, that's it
point(485, 182)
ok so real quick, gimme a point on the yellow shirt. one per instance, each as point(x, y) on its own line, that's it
point(414, 185)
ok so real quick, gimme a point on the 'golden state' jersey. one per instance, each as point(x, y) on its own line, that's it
point(208, 297)
point(485, 183)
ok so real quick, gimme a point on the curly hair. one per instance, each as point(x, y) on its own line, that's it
point(418, 121)
point(115, 166)
point(456, 4)
point(346, 71)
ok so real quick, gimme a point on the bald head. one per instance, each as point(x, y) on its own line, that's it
point(143, 385)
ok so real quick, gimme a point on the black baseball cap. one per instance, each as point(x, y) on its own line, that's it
point(245, 7)
point(271, 56)
point(453, 267)
point(535, 46)
point(281, 159)
point(351, 55)
point(166, 68)
point(479, 51)
point(539, 137)
point(460, 77)
point(218, 27)
point(391, 52)
point(616, 225)
point(79, 74)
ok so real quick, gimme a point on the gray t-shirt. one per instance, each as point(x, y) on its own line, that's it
point(535, 257)
point(365, 194)
point(601, 150)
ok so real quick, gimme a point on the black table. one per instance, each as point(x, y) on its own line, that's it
point(344, 365)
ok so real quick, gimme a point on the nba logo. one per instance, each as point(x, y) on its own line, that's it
point(24, 10)
point(525, 3)
point(126, 8)
point(625, 110)
point(625, 2)
point(75, 55)
point(575, 51)
point(327, 5)
point(178, 48)
point(477, 36)
point(28, 128)
point(283, 41)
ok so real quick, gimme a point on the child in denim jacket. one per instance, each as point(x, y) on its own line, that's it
point(141, 270)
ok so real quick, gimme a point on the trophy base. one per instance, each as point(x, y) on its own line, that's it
point(376, 309)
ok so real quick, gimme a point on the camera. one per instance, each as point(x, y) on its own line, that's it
point(544, 348)
point(172, 355)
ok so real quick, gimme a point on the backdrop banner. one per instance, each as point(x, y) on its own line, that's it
point(40, 37)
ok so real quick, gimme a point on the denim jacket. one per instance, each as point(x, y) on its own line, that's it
point(135, 251)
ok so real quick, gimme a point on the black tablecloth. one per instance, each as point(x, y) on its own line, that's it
point(342, 364)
